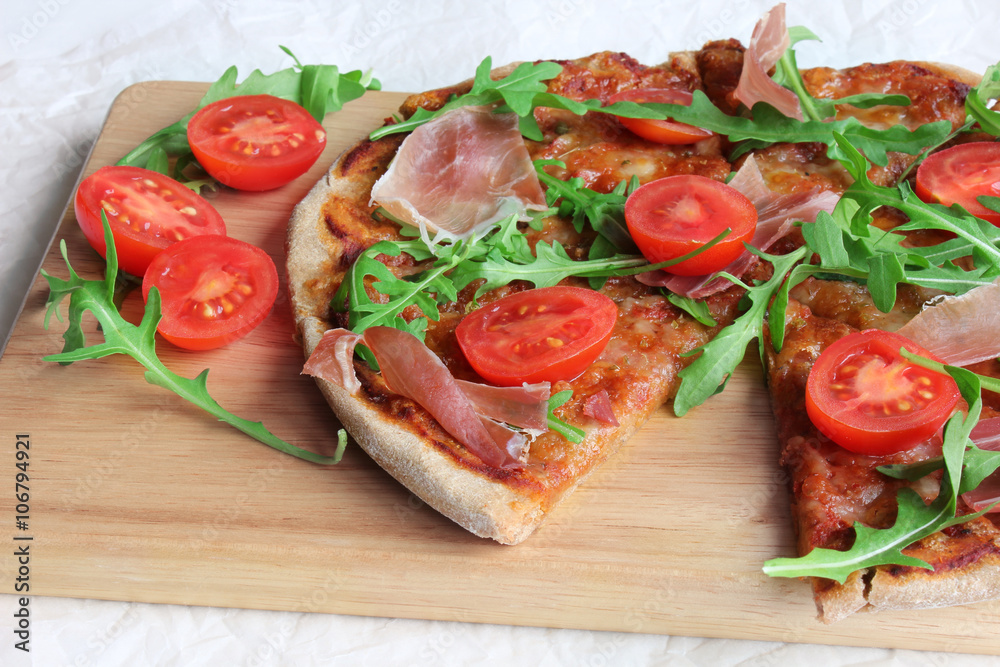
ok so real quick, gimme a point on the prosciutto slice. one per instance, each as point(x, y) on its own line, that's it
point(985, 435)
point(470, 412)
point(776, 214)
point(459, 173)
point(961, 330)
point(768, 43)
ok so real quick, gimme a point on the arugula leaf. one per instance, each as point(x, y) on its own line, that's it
point(915, 519)
point(693, 307)
point(708, 374)
point(138, 342)
point(604, 212)
point(318, 88)
point(568, 431)
point(977, 101)
point(849, 245)
point(787, 74)
point(520, 91)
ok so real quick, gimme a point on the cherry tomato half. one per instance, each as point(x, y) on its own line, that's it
point(146, 210)
point(214, 290)
point(549, 333)
point(255, 142)
point(672, 216)
point(959, 174)
point(660, 131)
point(866, 397)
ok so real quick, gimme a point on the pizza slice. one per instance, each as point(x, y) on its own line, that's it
point(835, 492)
point(506, 494)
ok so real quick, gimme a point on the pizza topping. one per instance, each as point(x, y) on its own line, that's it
point(866, 397)
point(960, 175)
point(333, 359)
point(960, 330)
point(776, 213)
point(986, 436)
point(546, 334)
point(470, 413)
point(598, 406)
point(768, 43)
point(459, 174)
point(660, 131)
point(677, 215)
point(525, 406)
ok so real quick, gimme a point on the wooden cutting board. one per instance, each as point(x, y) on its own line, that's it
point(136, 495)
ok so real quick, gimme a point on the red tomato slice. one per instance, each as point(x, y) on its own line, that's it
point(549, 333)
point(255, 142)
point(866, 397)
point(146, 210)
point(660, 131)
point(672, 216)
point(214, 290)
point(959, 174)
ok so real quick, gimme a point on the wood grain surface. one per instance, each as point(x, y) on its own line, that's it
point(136, 495)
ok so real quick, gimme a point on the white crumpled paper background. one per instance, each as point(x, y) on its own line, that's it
point(64, 61)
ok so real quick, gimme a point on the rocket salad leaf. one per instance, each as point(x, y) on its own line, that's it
point(138, 342)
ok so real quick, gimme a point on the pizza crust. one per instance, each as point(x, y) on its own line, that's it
point(485, 508)
point(484, 505)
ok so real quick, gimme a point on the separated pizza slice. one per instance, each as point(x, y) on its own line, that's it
point(506, 492)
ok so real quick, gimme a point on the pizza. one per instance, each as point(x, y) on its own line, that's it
point(518, 201)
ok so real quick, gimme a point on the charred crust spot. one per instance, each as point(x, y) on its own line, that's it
point(720, 64)
point(368, 157)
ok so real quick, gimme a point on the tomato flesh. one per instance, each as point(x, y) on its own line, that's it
point(673, 216)
point(545, 334)
point(146, 210)
point(660, 131)
point(866, 397)
point(255, 142)
point(959, 174)
point(213, 289)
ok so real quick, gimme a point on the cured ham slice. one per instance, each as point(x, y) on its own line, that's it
point(459, 173)
point(776, 214)
point(768, 43)
point(333, 359)
point(470, 412)
point(961, 330)
point(985, 435)
point(598, 406)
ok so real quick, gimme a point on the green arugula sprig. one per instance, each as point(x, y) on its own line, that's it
point(138, 342)
point(787, 74)
point(915, 519)
point(848, 245)
point(524, 89)
point(499, 256)
point(520, 92)
point(708, 374)
point(977, 101)
point(319, 88)
point(604, 212)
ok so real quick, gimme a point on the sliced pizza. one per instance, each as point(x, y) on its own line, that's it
point(509, 209)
